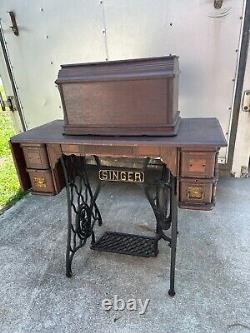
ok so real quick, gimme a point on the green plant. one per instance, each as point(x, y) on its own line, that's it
point(6, 131)
point(9, 184)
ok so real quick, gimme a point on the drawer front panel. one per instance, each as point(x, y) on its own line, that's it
point(107, 150)
point(198, 164)
point(68, 149)
point(41, 181)
point(101, 150)
point(35, 156)
point(148, 151)
point(197, 193)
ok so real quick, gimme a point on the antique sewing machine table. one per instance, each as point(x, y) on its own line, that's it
point(177, 171)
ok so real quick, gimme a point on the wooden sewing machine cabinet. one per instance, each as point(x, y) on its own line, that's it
point(41, 154)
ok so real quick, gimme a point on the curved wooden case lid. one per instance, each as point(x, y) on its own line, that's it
point(121, 69)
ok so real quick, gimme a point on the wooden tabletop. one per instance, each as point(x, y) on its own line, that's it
point(192, 132)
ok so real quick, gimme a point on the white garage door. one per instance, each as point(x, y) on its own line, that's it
point(59, 31)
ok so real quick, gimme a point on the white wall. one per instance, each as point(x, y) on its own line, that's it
point(59, 31)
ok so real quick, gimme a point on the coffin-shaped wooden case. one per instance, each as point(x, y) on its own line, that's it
point(129, 97)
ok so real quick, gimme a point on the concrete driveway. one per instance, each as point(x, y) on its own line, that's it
point(212, 271)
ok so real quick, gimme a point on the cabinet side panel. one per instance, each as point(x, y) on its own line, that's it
point(18, 157)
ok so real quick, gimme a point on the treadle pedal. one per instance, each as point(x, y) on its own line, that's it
point(130, 244)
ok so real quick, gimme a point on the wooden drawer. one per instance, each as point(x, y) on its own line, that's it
point(101, 150)
point(41, 181)
point(69, 149)
point(198, 164)
point(35, 156)
point(197, 193)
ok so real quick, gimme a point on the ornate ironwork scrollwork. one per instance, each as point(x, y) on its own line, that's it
point(83, 212)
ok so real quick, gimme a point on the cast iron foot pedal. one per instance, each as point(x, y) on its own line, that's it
point(133, 245)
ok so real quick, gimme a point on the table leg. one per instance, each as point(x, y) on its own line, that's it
point(173, 242)
point(83, 212)
point(162, 196)
point(157, 191)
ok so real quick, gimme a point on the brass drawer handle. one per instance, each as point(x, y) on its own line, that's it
point(195, 193)
point(40, 182)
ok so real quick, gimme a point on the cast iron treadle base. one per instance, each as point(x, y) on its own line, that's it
point(134, 245)
point(83, 213)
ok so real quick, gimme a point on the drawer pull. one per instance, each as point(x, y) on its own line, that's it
point(40, 182)
point(195, 193)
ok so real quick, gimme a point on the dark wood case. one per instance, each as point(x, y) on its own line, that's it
point(130, 97)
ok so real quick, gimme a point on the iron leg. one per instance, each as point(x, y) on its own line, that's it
point(69, 256)
point(173, 199)
point(81, 205)
point(92, 238)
